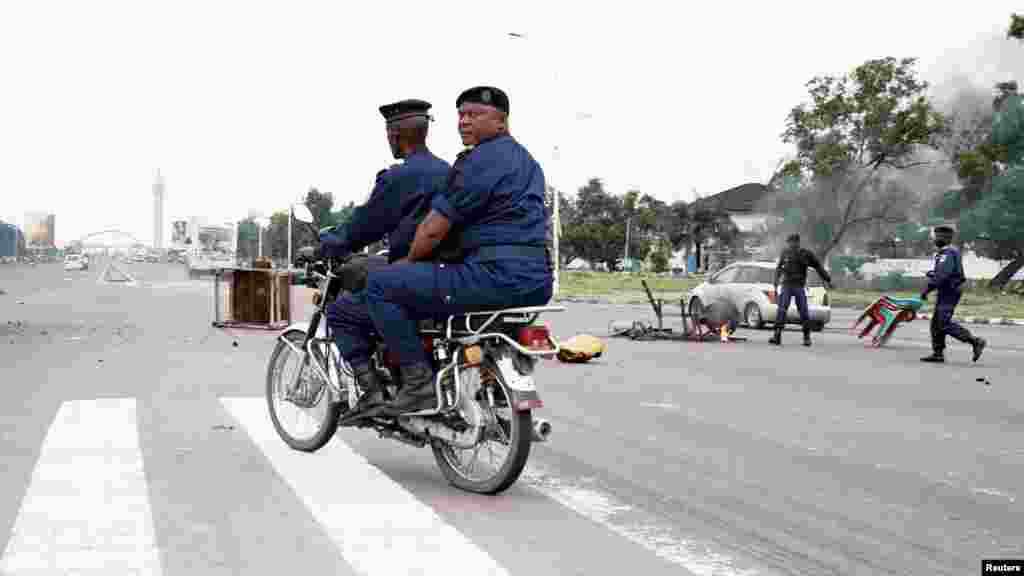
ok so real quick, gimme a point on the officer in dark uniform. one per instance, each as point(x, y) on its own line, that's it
point(947, 278)
point(792, 269)
point(493, 221)
point(398, 203)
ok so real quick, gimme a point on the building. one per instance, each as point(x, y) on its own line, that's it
point(11, 241)
point(746, 207)
point(158, 212)
point(39, 229)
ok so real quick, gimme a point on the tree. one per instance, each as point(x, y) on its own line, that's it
point(991, 172)
point(567, 215)
point(856, 133)
point(597, 230)
point(320, 204)
point(248, 239)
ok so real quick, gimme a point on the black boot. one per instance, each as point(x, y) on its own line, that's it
point(978, 345)
point(373, 393)
point(417, 393)
point(936, 357)
point(807, 335)
point(777, 338)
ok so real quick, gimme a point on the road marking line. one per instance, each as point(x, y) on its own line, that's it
point(605, 510)
point(86, 510)
point(379, 527)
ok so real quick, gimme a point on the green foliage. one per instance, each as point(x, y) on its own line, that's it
point(849, 265)
point(855, 131)
point(1016, 27)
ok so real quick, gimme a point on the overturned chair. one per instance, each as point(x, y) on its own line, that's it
point(887, 313)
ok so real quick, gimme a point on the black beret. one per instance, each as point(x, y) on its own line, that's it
point(405, 109)
point(944, 231)
point(488, 95)
point(793, 238)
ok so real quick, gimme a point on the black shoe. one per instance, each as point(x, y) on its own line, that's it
point(776, 338)
point(807, 338)
point(373, 395)
point(934, 358)
point(979, 347)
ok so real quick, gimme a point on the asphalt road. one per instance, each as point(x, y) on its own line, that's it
point(134, 436)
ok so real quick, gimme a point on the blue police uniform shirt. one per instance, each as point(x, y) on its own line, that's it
point(495, 196)
point(948, 273)
point(399, 201)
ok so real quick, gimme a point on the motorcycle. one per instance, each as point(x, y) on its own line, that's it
point(484, 384)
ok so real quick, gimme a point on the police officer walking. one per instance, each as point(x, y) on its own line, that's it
point(792, 268)
point(947, 278)
point(399, 201)
point(493, 215)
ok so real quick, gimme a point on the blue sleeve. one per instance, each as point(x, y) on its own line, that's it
point(380, 215)
point(469, 188)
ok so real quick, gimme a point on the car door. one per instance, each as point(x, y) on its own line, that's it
point(722, 285)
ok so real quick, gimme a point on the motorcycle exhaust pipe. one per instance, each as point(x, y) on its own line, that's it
point(541, 430)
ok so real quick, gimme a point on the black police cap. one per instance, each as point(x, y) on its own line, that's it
point(405, 109)
point(488, 95)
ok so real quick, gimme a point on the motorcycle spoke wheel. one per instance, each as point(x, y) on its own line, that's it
point(496, 461)
point(301, 410)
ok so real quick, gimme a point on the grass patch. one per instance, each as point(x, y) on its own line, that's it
point(620, 288)
point(623, 288)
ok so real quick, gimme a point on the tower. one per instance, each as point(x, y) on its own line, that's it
point(158, 212)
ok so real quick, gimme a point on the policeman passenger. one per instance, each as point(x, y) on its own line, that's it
point(947, 278)
point(492, 212)
point(792, 268)
point(399, 200)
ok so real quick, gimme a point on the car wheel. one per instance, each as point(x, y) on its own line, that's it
point(752, 316)
point(693, 311)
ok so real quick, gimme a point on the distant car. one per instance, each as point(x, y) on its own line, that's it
point(749, 285)
point(75, 262)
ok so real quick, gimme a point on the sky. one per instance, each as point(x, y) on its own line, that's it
point(244, 106)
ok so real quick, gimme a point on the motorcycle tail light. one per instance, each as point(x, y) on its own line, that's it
point(772, 298)
point(534, 337)
point(428, 343)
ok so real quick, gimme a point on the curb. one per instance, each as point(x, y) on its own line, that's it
point(989, 321)
point(964, 320)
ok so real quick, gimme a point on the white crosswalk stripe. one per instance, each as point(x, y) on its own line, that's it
point(380, 527)
point(87, 507)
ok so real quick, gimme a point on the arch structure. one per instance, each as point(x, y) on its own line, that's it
point(82, 239)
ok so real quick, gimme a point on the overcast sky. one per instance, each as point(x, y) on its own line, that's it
point(245, 105)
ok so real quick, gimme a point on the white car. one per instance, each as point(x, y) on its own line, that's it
point(750, 286)
point(75, 262)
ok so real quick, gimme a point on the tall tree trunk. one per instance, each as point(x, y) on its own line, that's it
point(1006, 274)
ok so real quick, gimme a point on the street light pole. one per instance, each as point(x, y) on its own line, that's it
point(556, 195)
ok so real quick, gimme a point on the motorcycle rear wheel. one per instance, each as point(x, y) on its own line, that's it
point(517, 431)
point(325, 412)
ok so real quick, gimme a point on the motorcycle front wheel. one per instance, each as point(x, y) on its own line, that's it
point(302, 410)
point(493, 465)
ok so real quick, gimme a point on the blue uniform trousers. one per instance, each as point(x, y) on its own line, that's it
point(786, 294)
point(403, 294)
point(942, 324)
point(349, 319)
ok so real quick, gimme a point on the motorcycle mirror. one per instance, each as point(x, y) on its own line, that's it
point(302, 213)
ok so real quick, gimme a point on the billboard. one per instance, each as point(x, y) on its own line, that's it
point(179, 232)
point(39, 229)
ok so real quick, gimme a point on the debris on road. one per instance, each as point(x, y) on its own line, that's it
point(223, 427)
point(580, 348)
point(983, 381)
